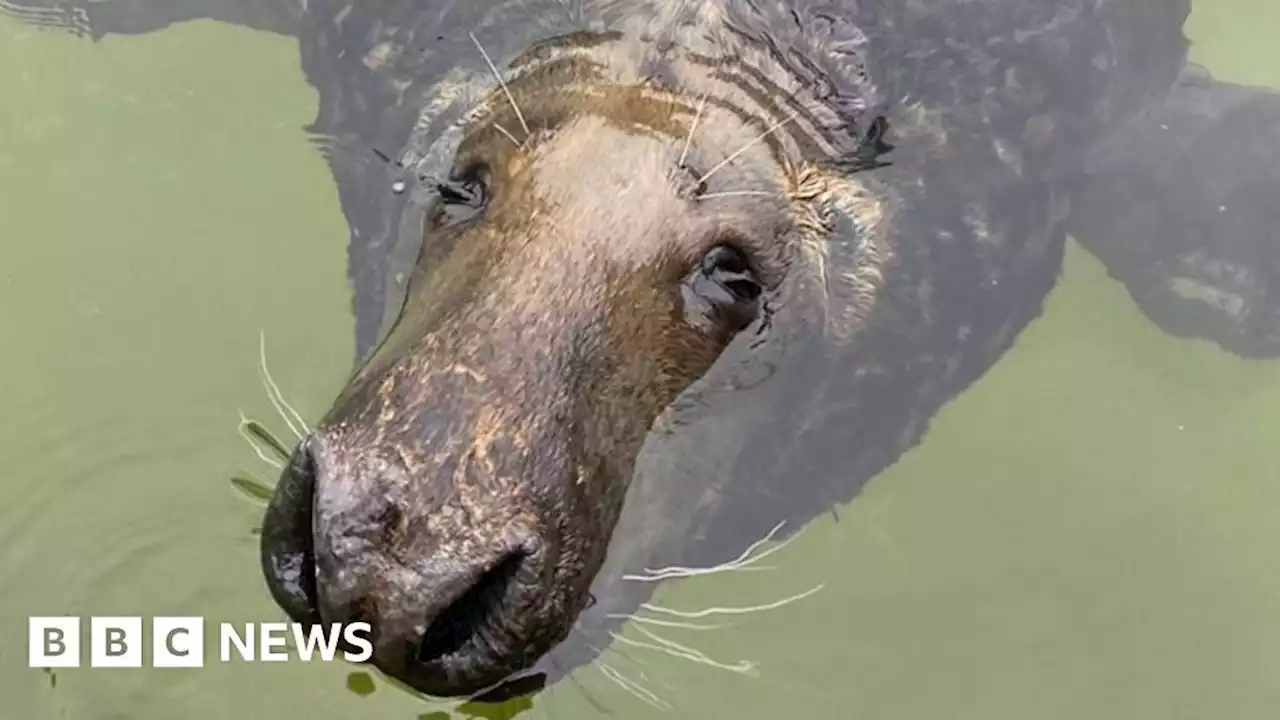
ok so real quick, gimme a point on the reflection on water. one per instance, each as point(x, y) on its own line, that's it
point(1084, 533)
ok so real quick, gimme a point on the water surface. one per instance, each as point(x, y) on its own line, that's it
point(1088, 532)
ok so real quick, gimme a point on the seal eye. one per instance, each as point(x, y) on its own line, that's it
point(462, 197)
point(723, 290)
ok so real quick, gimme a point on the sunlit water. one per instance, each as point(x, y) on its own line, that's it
point(1090, 532)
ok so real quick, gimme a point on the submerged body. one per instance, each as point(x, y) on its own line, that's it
point(626, 272)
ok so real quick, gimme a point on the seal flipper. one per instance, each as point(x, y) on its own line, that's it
point(1183, 206)
point(96, 19)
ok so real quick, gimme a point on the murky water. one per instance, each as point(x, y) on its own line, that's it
point(1088, 532)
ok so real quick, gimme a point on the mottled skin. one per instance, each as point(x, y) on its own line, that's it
point(579, 380)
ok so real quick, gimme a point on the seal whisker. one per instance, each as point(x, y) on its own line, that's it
point(637, 662)
point(772, 129)
point(742, 562)
point(688, 139)
point(586, 694)
point(503, 83)
point(734, 193)
point(507, 132)
point(675, 649)
point(71, 19)
point(282, 406)
point(633, 687)
point(642, 665)
point(665, 623)
point(32, 13)
point(676, 571)
point(243, 429)
point(733, 610)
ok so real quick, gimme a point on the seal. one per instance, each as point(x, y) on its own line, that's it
point(627, 271)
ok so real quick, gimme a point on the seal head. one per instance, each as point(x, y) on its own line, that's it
point(574, 280)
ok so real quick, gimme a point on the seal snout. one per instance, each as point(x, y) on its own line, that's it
point(449, 589)
point(442, 621)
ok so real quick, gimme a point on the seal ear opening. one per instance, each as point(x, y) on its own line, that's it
point(287, 553)
point(844, 245)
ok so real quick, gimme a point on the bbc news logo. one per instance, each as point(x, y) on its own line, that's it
point(54, 642)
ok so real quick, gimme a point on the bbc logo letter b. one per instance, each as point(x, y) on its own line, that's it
point(53, 642)
point(115, 642)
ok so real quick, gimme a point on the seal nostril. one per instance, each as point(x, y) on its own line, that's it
point(287, 551)
point(744, 289)
point(469, 619)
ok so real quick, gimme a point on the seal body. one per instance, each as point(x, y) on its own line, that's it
point(555, 404)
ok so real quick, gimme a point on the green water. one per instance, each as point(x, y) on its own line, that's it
point(1089, 532)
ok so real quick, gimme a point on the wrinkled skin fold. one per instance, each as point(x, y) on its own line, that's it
point(692, 269)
